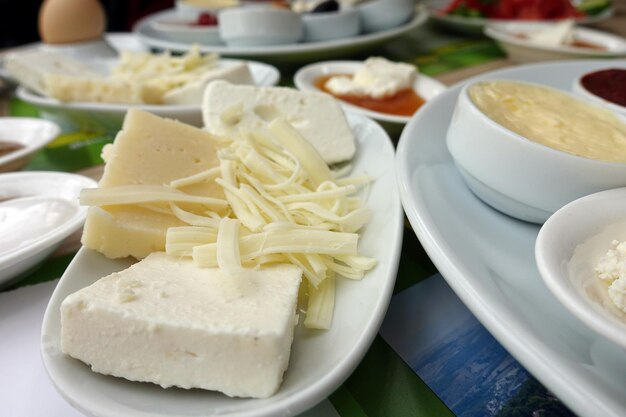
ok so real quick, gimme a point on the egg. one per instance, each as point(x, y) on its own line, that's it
point(71, 21)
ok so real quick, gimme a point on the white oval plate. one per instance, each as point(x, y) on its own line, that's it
point(33, 134)
point(305, 77)
point(570, 244)
point(316, 50)
point(35, 185)
point(488, 258)
point(321, 360)
point(522, 50)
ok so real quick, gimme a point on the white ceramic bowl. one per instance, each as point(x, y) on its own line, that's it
point(517, 176)
point(579, 89)
point(183, 30)
point(331, 25)
point(568, 248)
point(32, 134)
point(522, 50)
point(38, 240)
point(377, 15)
point(259, 26)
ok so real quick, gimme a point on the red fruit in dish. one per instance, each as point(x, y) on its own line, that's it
point(207, 19)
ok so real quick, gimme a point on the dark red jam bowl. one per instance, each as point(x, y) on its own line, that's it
point(609, 84)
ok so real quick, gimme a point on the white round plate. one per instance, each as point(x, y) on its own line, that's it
point(475, 25)
point(569, 246)
point(521, 50)
point(41, 235)
point(109, 116)
point(487, 258)
point(316, 50)
point(305, 77)
point(32, 134)
point(320, 360)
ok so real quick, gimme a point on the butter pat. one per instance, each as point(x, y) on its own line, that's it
point(377, 78)
point(192, 92)
point(317, 116)
point(148, 150)
point(165, 321)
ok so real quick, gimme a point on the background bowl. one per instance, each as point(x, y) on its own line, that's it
point(331, 25)
point(259, 26)
point(567, 249)
point(517, 176)
point(181, 30)
point(193, 8)
point(522, 50)
point(579, 89)
point(377, 15)
point(32, 134)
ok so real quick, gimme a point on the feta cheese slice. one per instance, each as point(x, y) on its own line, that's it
point(377, 78)
point(166, 321)
point(554, 34)
point(316, 116)
point(148, 150)
point(192, 92)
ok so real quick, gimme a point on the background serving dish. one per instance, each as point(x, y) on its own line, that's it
point(108, 116)
point(488, 258)
point(305, 77)
point(320, 361)
point(519, 49)
point(592, 222)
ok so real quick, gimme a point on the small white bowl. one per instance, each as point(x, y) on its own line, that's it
point(377, 15)
point(99, 48)
point(259, 26)
point(331, 25)
point(519, 49)
point(190, 9)
point(38, 238)
point(183, 30)
point(32, 134)
point(567, 249)
point(579, 89)
point(517, 176)
point(304, 79)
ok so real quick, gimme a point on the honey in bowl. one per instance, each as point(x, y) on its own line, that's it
point(403, 103)
point(7, 147)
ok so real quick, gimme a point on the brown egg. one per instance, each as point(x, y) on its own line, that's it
point(71, 21)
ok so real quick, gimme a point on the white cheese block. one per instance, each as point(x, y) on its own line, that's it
point(317, 116)
point(166, 321)
point(148, 150)
point(33, 69)
point(192, 93)
point(377, 78)
point(553, 34)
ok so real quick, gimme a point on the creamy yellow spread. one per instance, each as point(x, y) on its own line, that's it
point(553, 118)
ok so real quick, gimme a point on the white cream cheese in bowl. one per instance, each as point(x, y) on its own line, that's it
point(569, 251)
point(531, 179)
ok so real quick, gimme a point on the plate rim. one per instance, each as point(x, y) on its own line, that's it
point(498, 320)
point(302, 400)
point(315, 69)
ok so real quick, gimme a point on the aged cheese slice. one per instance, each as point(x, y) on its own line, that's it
point(317, 116)
point(148, 150)
point(168, 322)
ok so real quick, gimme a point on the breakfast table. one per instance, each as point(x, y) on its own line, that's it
point(384, 383)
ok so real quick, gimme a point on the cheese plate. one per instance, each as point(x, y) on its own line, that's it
point(320, 361)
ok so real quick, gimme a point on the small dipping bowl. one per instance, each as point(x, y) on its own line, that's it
point(183, 30)
point(377, 15)
point(615, 79)
point(259, 26)
point(326, 26)
point(568, 248)
point(29, 135)
point(517, 176)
